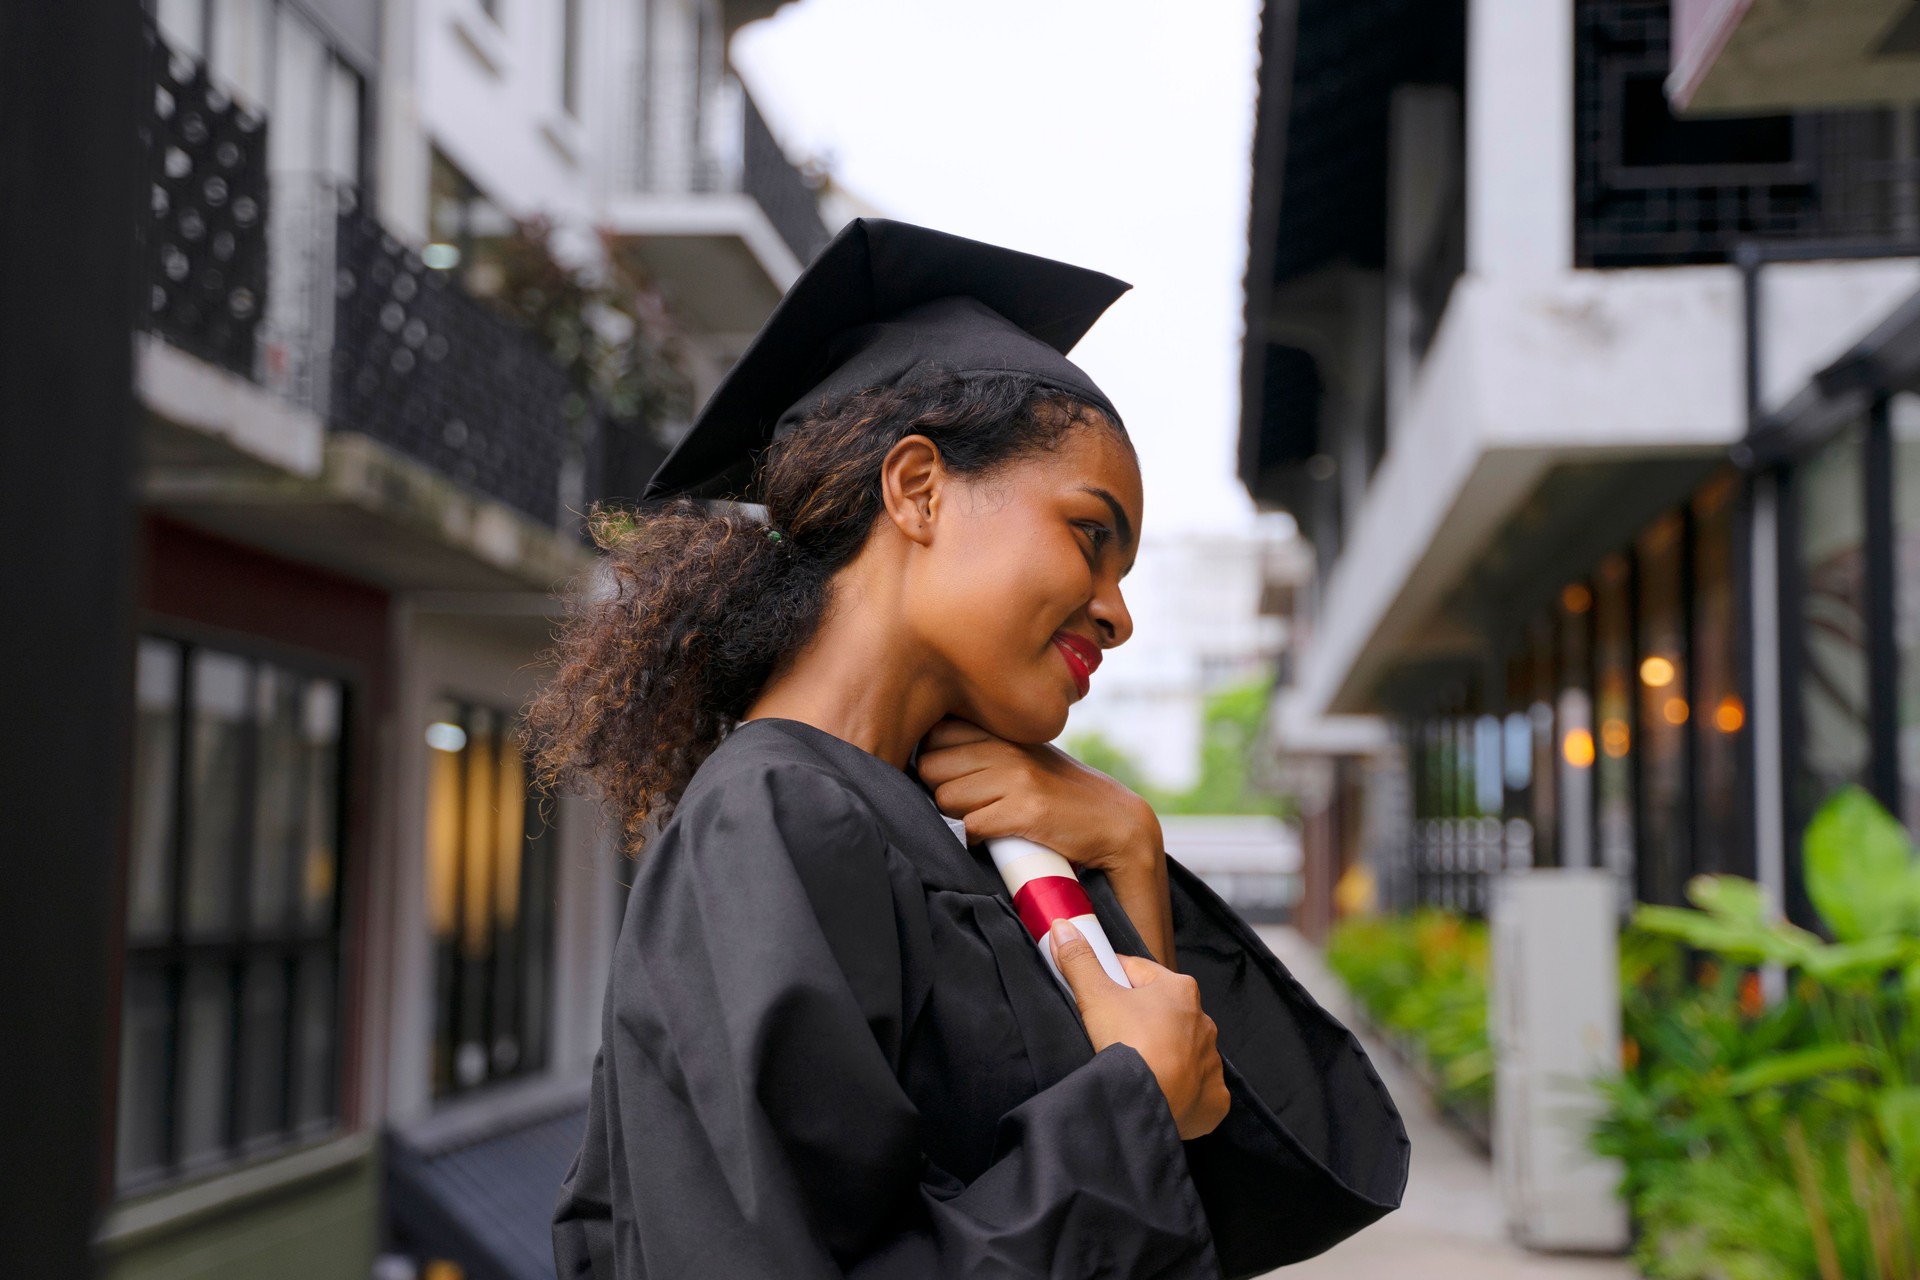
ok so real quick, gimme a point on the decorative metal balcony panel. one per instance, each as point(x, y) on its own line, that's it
point(420, 366)
point(204, 237)
point(1653, 190)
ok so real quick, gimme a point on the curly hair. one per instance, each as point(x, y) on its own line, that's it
point(694, 607)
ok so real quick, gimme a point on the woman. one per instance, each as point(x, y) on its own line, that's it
point(831, 1048)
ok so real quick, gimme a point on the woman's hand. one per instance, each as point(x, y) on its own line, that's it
point(1160, 1019)
point(1042, 794)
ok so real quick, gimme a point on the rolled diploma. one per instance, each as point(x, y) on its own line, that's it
point(1045, 889)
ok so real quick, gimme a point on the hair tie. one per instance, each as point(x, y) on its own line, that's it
point(774, 535)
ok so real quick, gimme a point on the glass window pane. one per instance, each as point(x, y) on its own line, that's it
point(510, 803)
point(1720, 715)
point(263, 1049)
point(156, 750)
point(320, 727)
point(140, 1127)
point(1573, 712)
point(205, 1084)
point(242, 57)
point(1664, 710)
point(536, 937)
point(279, 797)
point(315, 1063)
point(1542, 690)
point(446, 740)
point(1904, 419)
point(474, 1003)
point(220, 713)
point(1835, 747)
point(1613, 703)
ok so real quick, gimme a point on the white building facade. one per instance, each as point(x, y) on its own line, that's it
point(1498, 364)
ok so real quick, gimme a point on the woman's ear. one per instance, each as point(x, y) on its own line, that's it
point(912, 480)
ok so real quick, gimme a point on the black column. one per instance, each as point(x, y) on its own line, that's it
point(68, 171)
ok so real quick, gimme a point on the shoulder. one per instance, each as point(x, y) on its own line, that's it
point(764, 791)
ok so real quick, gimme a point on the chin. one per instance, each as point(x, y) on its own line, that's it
point(1030, 723)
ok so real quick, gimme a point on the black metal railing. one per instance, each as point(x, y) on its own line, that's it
point(420, 366)
point(780, 190)
point(204, 236)
point(1653, 190)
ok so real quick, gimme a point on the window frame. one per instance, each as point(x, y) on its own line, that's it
point(243, 943)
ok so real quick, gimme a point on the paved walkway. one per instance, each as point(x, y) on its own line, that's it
point(1450, 1223)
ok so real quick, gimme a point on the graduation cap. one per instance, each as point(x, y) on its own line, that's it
point(883, 300)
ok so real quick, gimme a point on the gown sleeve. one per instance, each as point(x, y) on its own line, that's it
point(1312, 1148)
point(745, 1117)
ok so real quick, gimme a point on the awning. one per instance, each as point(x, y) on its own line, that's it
point(481, 1192)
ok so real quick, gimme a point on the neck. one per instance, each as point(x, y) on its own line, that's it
point(860, 678)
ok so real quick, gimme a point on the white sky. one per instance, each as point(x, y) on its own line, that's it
point(1115, 134)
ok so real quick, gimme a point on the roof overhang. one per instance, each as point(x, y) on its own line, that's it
point(1738, 57)
point(717, 257)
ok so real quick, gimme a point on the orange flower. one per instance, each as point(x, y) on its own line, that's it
point(1753, 1001)
point(1629, 1053)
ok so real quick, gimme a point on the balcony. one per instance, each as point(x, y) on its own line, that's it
point(299, 358)
point(708, 207)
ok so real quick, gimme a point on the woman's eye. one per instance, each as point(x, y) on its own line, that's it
point(1096, 534)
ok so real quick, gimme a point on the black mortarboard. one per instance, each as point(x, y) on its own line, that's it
point(882, 300)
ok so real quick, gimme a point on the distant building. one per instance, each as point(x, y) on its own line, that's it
point(1601, 422)
point(363, 965)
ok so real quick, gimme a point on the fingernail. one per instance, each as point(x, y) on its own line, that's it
point(1063, 931)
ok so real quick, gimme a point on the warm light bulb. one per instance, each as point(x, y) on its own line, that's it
point(1730, 715)
point(1615, 738)
point(1577, 748)
point(1675, 710)
point(1576, 597)
point(1657, 672)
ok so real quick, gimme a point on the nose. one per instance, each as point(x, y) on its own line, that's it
point(1108, 609)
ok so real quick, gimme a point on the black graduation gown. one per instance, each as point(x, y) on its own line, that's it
point(830, 1048)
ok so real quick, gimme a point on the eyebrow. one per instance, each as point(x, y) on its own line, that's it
point(1119, 513)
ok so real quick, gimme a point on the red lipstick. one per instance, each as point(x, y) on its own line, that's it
point(1082, 657)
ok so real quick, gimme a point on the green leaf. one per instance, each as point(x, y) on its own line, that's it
point(1860, 868)
point(1730, 898)
point(1869, 960)
point(1798, 1067)
point(1899, 1115)
point(1741, 942)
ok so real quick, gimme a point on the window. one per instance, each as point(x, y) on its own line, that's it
point(1613, 684)
point(1903, 414)
point(1835, 739)
point(489, 855)
point(1719, 712)
point(230, 1030)
point(1664, 710)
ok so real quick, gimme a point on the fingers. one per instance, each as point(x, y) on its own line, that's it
point(952, 732)
point(943, 764)
point(1142, 972)
point(1079, 965)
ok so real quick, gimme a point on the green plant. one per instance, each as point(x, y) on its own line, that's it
point(1231, 720)
point(1777, 1138)
point(1424, 976)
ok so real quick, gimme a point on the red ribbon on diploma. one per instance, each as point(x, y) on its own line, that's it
point(1045, 899)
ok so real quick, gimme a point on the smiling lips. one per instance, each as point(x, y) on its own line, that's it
point(1082, 658)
